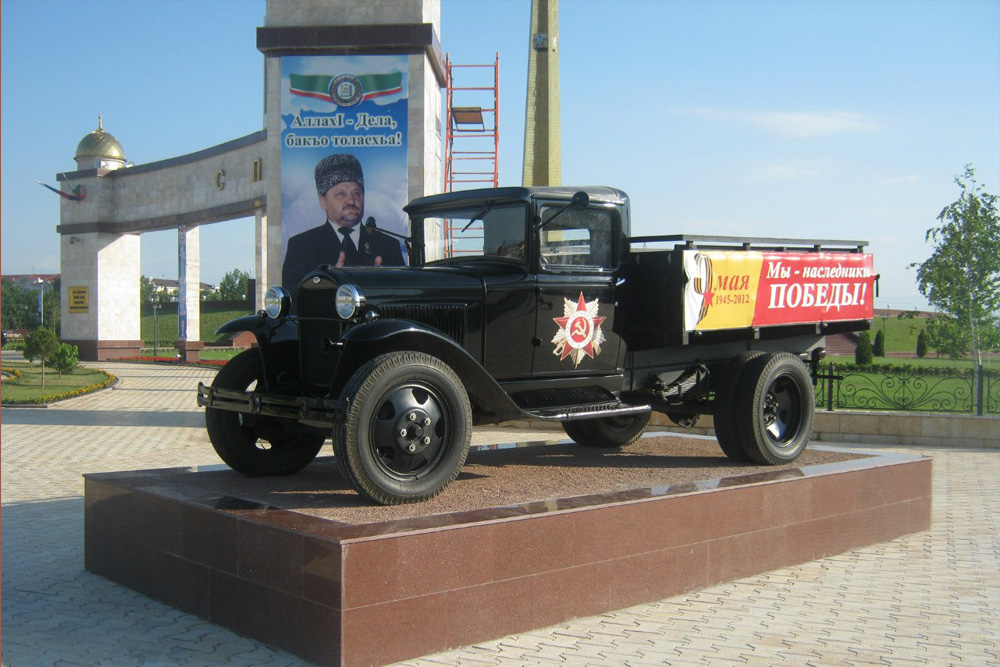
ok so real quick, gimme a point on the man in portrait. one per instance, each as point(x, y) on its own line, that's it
point(341, 240)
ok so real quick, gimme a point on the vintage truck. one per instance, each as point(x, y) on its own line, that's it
point(534, 303)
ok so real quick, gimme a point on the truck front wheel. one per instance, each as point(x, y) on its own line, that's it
point(407, 430)
point(607, 432)
point(250, 444)
point(774, 409)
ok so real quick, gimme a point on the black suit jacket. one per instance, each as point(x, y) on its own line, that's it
point(321, 245)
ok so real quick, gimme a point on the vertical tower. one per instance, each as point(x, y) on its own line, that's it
point(361, 77)
point(542, 138)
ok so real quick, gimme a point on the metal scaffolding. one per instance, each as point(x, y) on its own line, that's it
point(472, 141)
point(473, 132)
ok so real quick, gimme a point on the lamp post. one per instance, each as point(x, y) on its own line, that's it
point(156, 328)
point(41, 301)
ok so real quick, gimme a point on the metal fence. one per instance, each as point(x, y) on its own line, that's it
point(973, 391)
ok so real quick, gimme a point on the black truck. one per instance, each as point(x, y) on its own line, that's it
point(534, 303)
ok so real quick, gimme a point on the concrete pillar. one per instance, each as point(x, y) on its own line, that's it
point(542, 134)
point(100, 294)
point(260, 255)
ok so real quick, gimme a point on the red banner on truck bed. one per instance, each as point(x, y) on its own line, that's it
point(736, 289)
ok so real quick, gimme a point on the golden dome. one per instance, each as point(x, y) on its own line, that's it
point(100, 144)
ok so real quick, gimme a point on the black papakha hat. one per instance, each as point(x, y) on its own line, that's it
point(338, 168)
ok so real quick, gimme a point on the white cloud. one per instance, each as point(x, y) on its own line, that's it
point(802, 125)
point(791, 124)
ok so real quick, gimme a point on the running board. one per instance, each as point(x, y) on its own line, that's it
point(592, 411)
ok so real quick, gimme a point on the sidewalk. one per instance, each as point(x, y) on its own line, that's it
point(930, 598)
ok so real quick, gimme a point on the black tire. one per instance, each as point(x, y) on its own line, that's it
point(252, 445)
point(607, 432)
point(774, 415)
point(725, 407)
point(408, 428)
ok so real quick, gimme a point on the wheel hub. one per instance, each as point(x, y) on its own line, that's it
point(770, 410)
point(414, 430)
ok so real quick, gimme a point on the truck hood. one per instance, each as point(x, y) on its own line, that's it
point(406, 285)
point(449, 297)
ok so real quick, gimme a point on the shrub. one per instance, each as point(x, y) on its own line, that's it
point(863, 353)
point(878, 349)
point(66, 358)
point(922, 344)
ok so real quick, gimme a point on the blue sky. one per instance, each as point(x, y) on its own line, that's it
point(838, 119)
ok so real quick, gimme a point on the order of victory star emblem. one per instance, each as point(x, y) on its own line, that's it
point(579, 330)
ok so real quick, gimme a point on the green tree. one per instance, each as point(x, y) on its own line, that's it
point(41, 344)
point(147, 290)
point(53, 314)
point(66, 358)
point(878, 349)
point(961, 279)
point(18, 306)
point(863, 352)
point(233, 286)
point(922, 344)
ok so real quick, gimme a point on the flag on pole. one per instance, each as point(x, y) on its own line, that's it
point(75, 193)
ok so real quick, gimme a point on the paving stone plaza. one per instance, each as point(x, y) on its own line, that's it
point(927, 599)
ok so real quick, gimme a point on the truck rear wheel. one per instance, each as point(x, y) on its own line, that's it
point(607, 432)
point(407, 430)
point(774, 411)
point(250, 444)
point(724, 414)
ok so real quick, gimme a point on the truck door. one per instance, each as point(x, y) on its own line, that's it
point(575, 331)
point(509, 306)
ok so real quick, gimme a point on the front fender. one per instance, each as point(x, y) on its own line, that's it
point(277, 341)
point(265, 329)
point(366, 341)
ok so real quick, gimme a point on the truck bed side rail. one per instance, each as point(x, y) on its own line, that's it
point(693, 241)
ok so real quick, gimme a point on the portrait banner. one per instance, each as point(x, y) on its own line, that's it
point(343, 120)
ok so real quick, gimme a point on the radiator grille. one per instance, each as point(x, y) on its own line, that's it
point(318, 327)
point(449, 319)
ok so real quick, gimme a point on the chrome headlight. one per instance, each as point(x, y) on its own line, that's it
point(350, 301)
point(277, 302)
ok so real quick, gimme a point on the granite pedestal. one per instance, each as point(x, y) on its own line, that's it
point(528, 536)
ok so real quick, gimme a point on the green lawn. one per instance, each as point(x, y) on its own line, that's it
point(900, 333)
point(220, 354)
point(166, 323)
point(28, 388)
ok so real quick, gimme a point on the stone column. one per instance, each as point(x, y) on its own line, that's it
point(189, 293)
point(99, 299)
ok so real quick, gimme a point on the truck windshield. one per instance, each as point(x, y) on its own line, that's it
point(496, 231)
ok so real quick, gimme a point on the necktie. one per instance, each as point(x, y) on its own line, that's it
point(349, 246)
